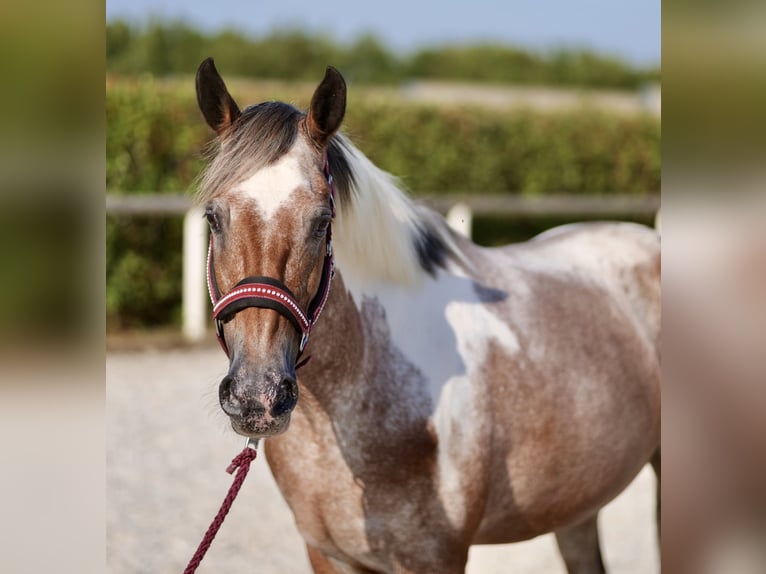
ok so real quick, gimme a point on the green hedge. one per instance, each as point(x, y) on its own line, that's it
point(156, 138)
point(456, 151)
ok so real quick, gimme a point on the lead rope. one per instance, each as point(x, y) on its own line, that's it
point(241, 464)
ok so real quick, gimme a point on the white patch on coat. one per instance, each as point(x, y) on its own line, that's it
point(460, 398)
point(445, 331)
point(441, 326)
point(271, 187)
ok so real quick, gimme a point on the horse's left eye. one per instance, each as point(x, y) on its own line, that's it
point(320, 229)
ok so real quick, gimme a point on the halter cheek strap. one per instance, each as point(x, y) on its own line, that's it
point(270, 293)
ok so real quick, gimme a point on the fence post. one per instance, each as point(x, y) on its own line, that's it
point(460, 218)
point(194, 288)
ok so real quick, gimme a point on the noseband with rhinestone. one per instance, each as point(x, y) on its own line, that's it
point(270, 293)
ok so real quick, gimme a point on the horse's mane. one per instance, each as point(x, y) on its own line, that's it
point(380, 234)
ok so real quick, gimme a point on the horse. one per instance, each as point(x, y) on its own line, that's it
point(455, 394)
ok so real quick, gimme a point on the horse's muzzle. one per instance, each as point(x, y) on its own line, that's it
point(258, 407)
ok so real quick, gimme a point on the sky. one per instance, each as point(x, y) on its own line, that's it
point(629, 29)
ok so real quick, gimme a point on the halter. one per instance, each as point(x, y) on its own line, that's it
point(270, 293)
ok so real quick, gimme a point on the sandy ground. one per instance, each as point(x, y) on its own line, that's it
point(168, 444)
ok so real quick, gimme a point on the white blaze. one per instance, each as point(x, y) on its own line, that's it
point(271, 187)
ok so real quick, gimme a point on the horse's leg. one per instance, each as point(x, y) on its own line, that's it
point(579, 547)
point(656, 465)
point(319, 561)
point(322, 564)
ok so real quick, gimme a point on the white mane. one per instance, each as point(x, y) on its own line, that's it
point(382, 235)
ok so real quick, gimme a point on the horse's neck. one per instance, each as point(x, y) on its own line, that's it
point(380, 236)
point(358, 366)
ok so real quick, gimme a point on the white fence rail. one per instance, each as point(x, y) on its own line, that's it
point(459, 211)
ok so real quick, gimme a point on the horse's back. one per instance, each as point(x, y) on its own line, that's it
point(624, 256)
point(620, 260)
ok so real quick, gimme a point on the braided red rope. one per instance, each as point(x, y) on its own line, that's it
point(240, 463)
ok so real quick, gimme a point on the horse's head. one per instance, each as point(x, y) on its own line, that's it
point(268, 200)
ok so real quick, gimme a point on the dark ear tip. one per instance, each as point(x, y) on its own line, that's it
point(216, 104)
point(208, 64)
point(332, 73)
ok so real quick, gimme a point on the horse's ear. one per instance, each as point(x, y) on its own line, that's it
point(215, 102)
point(328, 106)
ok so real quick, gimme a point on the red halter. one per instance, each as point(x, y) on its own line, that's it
point(270, 293)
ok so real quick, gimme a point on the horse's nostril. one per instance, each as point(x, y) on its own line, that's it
point(286, 398)
point(229, 402)
point(225, 388)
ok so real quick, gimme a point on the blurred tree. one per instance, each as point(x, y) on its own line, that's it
point(119, 38)
point(158, 46)
point(163, 48)
point(368, 61)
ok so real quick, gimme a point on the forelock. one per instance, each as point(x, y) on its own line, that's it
point(260, 136)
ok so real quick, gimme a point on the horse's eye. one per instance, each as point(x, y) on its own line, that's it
point(320, 229)
point(212, 219)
